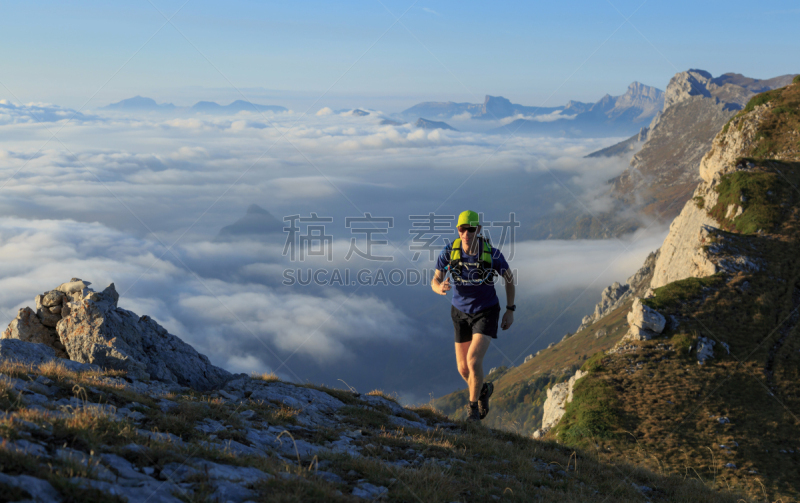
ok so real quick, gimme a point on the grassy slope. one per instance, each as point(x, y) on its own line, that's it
point(481, 464)
point(665, 408)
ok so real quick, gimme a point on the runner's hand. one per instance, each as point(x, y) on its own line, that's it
point(444, 286)
point(508, 319)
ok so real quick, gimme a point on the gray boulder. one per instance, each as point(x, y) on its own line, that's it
point(705, 349)
point(645, 323)
point(28, 327)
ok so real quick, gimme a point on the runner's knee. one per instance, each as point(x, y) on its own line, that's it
point(474, 366)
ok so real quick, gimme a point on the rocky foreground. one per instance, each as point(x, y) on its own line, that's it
point(132, 430)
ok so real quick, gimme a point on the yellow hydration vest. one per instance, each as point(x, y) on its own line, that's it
point(485, 271)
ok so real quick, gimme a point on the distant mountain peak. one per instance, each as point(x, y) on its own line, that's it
point(427, 124)
point(257, 223)
point(255, 209)
point(139, 103)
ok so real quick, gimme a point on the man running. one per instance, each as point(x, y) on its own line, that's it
point(473, 263)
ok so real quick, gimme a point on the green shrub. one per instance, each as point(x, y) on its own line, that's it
point(785, 109)
point(592, 413)
point(595, 363)
point(761, 209)
point(678, 291)
point(796, 79)
point(682, 343)
point(760, 99)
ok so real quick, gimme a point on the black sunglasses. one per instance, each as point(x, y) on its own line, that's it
point(468, 229)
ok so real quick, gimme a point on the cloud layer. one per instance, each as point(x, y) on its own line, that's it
point(138, 200)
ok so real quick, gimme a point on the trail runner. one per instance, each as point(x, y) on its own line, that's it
point(473, 263)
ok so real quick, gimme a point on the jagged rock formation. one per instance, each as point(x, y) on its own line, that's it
point(616, 295)
point(557, 399)
point(664, 172)
point(88, 327)
point(696, 106)
point(27, 326)
point(609, 116)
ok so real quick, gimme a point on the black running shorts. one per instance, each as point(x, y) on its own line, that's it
point(483, 322)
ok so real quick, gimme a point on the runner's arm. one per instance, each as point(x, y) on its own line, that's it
point(508, 316)
point(439, 286)
point(511, 289)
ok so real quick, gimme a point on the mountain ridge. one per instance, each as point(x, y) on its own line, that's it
point(627, 112)
point(663, 172)
point(140, 103)
point(700, 365)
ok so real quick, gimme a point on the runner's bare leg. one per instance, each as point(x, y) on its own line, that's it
point(462, 349)
point(469, 357)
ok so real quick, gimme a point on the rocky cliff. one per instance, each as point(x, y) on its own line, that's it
point(712, 350)
point(664, 172)
point(684, 253)
point(616, 295)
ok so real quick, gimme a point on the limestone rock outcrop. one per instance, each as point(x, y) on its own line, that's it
point(682, 254)
point(91, 328)
point(616, 295)
point(558, 396)
point(645, 322)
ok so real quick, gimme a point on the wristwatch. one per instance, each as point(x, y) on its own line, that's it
point(512, 308)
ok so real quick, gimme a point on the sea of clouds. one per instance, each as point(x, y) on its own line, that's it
point(138, 200)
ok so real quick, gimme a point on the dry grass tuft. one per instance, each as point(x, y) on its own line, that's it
point(389, 396)
point(267, 377)
point(56, 371)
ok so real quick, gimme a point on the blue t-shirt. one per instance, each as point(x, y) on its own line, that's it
point(472, 298)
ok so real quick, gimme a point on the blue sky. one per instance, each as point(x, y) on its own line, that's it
point(290, 53)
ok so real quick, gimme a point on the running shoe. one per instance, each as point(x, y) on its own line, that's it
point(473, 414)
point(483, 399)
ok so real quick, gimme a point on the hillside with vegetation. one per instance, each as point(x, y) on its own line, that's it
point(663, 172)
point(87, 415)
point(714, 395)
